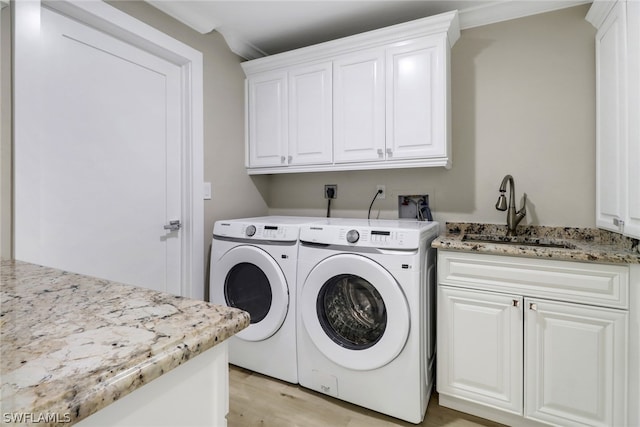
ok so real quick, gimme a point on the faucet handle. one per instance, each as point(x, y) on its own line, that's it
point(523, 209)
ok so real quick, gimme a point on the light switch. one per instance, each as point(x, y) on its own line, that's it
point(206, 191)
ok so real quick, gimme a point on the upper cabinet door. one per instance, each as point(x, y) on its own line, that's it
point(417, 99)
point(610, 117)
point(268, 119)
point(632, 222)
point(310, 115)
point(359, 116)
point(617, 109)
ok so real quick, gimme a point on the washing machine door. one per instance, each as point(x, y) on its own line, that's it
point(354, 311)
point(248, 278)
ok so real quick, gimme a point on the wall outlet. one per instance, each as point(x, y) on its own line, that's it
point(331, 191)
point(382, 195)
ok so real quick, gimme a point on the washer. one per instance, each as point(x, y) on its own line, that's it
point(366, 313)
point(253, 267)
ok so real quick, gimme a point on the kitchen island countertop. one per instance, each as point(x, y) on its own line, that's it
point(71, 344)
point(584, 244)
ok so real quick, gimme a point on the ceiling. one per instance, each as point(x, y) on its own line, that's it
point(256, 28)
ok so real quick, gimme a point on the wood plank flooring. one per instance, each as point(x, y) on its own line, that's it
point(257, 400)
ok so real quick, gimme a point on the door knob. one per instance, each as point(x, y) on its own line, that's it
point(173, 225)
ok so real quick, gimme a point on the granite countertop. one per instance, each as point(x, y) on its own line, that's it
point(71, 344)
point(561, 243)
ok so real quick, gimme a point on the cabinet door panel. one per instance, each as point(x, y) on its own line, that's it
point(480, 347)
point(575, 360)
point(268, 119)
point(359, 107)
point(610, 117)
point(416, 94)
point(310, 119)
point(632, 222)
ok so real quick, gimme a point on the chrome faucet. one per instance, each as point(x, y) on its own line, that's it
point(513, 217)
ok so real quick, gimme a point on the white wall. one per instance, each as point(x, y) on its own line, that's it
point(523, 94)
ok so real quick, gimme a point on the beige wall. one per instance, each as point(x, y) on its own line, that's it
point(523, 95)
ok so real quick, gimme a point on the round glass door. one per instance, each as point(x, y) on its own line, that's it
point(248, 278)
point(351, 311)
point(354, 311)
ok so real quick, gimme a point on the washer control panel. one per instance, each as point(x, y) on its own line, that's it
point(382, 238)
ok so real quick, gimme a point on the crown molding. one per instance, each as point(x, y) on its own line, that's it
point(506, 10)
point(491, 13)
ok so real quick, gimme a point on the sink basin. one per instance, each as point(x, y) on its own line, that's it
point(518, 241)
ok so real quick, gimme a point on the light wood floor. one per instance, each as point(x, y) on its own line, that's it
point(257, 400)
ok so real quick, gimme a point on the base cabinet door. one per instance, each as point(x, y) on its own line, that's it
point(575, 364)
point(480, 347)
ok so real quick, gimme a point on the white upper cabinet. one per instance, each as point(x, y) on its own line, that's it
point(617, 110)
point(358, 108)
point(371, 101)
point(310, 128)
point(416, 104)
point(268, 119)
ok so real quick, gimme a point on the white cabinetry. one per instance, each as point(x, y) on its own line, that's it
point(617, 112)
point(372, 101)
point(289, 116)
point(417, 111)
point(526, 341)
point(358, 110)
point(268, 119)
point(310, 139)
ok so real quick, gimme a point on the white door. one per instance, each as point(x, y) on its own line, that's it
point(480, 347)
point(575, 364)
point(358, 108)
point(97, 154)
point(310, 118)
point(268, 119)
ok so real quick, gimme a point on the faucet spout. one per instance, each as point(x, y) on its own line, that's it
point(513, 217)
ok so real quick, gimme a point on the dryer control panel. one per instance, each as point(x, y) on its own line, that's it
point(256, 231)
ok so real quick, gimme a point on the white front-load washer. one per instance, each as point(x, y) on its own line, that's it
point(366, 313)
point(253, 267)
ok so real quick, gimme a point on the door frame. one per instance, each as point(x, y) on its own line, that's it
point(101, 16)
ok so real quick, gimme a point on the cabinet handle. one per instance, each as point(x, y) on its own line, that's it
point(282, 159)
point(289, 159)
point(618, 222)
point(515, 303)
point(389, 152)
point(380, 152)
point(533, 306)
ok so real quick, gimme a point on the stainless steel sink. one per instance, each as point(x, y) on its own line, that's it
point(518, 241)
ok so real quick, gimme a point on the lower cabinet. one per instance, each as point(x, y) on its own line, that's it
point(519, 358)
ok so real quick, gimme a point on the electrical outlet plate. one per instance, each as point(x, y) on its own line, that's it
point(382, 195)
point(329, 187)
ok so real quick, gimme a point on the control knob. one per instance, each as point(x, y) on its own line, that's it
point(250, 230)
point(353, 236)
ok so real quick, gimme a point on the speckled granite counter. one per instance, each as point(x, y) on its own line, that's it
point(582, 244)
point(70, 345)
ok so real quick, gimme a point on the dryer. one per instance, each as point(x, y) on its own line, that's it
point(253, 267)
point(366, 313)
